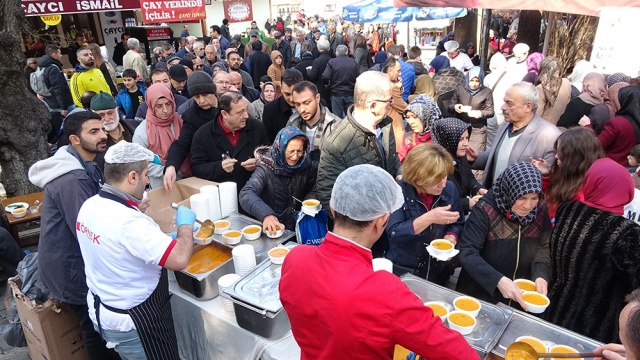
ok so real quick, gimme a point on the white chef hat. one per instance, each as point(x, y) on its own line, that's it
point(521, 48)
point(125, 152)
point(365, 192)
point(451, 45)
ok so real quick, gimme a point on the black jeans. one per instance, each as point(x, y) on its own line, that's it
point(94, 344)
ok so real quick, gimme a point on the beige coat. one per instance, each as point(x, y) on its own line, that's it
point(134, 60)
point(552, 113)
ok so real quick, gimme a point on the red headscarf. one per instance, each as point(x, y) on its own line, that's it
point(159, 132)
point(607, 186)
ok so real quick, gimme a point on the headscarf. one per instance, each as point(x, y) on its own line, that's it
point(470, 45)
point(549, 78)
point(617, 78)
point(475, 72)
point(593, 89)
point(611, 98)
point(424, 85)
point(582, 68)
point(629, 98)
point(280, 145)
point(517, 180)
point(498, 63)
point(533, 62)
point(275, 89)
point(159, 135)
point(380, 58)
point(440, 62)
point(607, 186)
point(426, 109)
point(448, 131)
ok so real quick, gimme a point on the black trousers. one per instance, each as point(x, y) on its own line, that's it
point(94, 344)
point(10, 252)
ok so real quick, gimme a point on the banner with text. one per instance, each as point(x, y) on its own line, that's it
point(172, 11)
point(238, 10)
point(42, 7)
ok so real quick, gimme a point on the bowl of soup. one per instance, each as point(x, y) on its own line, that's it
point(536, 302)
point(461, 322)
point(252, 232)
point(468, 305)
point(221, 226)
point(277, 234)
point(538, 345)
point(439, 308)
point(441, 247)
point(311, 206)
point(277, 254)
point(563, 349)
point(232, 237)
point(19, 212)
point(525, 285)
point(203, 235)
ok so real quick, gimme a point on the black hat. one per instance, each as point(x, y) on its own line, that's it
point(200, 83)
point(186, 62)
point(178, 73)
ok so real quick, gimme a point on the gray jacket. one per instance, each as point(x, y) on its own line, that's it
point(536, 142)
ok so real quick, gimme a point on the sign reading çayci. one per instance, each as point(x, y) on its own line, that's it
point(44, 7)
point(238, 10)
point(172, 10)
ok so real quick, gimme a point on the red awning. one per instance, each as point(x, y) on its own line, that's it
point(44, 7)
point(586, 7)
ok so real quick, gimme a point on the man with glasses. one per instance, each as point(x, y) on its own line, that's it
point(365, 136)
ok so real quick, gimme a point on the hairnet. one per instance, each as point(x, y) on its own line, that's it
point(125, 152)
point(365, 192)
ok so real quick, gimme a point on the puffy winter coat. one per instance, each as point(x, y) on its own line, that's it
point(270, 190)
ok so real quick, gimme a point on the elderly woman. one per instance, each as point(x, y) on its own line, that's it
point(160, 128)
point(431, 210)
point(593, 89)
point(506, 237)
point(596, 255)
point(283, 171)
point(268, 94)
point(554, 91)
point(474, 95)
point(419, 116)
point(533, 67)
point(453, 134)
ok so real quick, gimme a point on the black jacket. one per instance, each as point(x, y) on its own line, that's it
point(285, 50)
point(250, 93)
point(465, 182)
point(482, 100)
point(210, 143)
point(341, 73)
point(260, 62)
point(307, 61)
point(192, 120)
point(315, 75)
point(334, 41)
point(275, 117)
point(60, 93)
point(118, 53)
point(270, 189)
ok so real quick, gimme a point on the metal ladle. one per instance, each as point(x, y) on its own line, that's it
point(522, 351)
point(207, 223)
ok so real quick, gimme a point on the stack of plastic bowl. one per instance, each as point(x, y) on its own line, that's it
point(211, 191)
point(223, 283)
point(228, 198)
point(200, 206)
point(244, 259)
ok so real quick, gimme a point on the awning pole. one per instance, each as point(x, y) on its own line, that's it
point(485, 38)
point(551, 19)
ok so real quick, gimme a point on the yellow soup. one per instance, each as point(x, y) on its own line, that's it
point(311, 203)
point(279, 252)
point(232, 234)
point(563, 349)
point(221, 224)
point(442, 245)
point(538, 345)
point(438, 310)
point(526, 286)
point(463, 320)
point(252, 230)
point(467, 305)
point(208, 259)
point(519, 355)
point(19, 211)
point(535, 299)
point(204, 233)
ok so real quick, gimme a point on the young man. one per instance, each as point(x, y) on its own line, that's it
point(87, 77)
point(131, 96)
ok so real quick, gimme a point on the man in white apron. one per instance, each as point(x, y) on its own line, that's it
point(127, 257)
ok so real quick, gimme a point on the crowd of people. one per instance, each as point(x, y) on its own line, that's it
point(528, 172)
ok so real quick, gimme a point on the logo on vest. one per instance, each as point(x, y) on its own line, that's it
point(85, 230)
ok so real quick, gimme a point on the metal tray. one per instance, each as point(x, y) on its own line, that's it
point(523, 324)
point(492, 320)
point(240, 291)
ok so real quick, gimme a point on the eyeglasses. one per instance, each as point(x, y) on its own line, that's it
point(388, 101)
point(292, 153)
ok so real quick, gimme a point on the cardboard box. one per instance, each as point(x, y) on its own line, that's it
point(161, 211)
point(51, 329)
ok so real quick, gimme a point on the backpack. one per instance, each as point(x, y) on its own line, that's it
point(311, 230)
point(38, 84)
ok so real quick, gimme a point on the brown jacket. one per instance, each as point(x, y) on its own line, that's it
point(274, 71)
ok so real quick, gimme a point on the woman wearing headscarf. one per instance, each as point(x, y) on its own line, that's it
point(419, 116)
point(276, 69)
point(453, 134)
point(593, 89)
point(160, 128)
point(506, 237)
point(596, 255)
point(480, 99)
point(470, 50)
point(445, 80)
point(611, 98)
point(554, 91)
point(495, 82)
point(268, 94)
point(580, 70)
point(424, 85)
point(617, 78)
point(431, 211)
point(622, 132)
point(283, 171)
point(533, 67)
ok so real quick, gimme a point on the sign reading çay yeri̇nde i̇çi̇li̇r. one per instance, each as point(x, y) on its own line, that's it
point(172, 11)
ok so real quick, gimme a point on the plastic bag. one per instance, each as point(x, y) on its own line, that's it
point(311, 230)
point(11, 328)
point(28, 273)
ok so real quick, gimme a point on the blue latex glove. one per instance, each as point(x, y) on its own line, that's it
point(185, 216)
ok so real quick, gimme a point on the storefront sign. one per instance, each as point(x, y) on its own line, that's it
point(610, 52)
point(51, 20)
point(238, 10)
point(172, 11)
point(158, 34)
point(112, 28)
point(43, 7)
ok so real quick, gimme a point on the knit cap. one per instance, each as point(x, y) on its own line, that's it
point(103, 101)
point(200, 83)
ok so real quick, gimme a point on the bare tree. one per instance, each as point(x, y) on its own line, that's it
point(24, 120)
point(571, 38)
